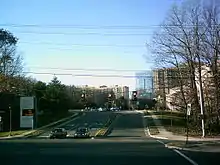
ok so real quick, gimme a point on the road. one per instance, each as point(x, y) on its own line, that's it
point(127, 144)
point(92, 120)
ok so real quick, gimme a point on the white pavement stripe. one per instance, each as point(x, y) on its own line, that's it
point(181, 154)
point(161, 142)
point(147, 133)
point(187, 158)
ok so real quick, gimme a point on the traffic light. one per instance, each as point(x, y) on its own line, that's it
point(134, 95)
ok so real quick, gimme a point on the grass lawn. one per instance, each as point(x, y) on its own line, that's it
point(13, 133)
point(175, 122)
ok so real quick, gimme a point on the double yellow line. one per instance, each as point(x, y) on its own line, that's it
point(102, 131)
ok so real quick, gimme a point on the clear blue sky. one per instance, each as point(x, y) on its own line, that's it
point(81, 49)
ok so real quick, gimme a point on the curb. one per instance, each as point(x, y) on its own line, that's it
point(189, 149)
point(147, 131)
point(182, 148)
point(153, 136)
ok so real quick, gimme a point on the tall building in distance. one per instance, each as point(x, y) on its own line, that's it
point(121, 91)
point(144, 84)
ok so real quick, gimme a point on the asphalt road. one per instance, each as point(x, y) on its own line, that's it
point(127, 144)
point(93, 120)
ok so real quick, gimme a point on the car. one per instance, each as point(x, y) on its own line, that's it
point(82, 132)
point(100, 109)
point(58, 133)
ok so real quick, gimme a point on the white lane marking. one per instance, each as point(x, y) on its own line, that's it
point(187, 158)
point(161, 142)
point(180, 153)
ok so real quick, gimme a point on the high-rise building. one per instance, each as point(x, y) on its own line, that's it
point(144, 84)
point(121, 91)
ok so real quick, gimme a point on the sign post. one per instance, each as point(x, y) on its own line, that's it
point(10, 120)
point(189, 108)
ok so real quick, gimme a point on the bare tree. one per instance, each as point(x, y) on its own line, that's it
point(189, 38)
point(10, 60)
point(211, 49)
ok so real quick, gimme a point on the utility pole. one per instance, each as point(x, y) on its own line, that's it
point(202, 108)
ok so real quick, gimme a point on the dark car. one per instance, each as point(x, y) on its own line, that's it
point(82, 132)
point(58, 133)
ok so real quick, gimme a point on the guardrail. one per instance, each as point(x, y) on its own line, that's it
point(43, 129)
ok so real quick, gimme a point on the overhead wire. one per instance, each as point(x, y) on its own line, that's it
point(84, 26)
point(78, 26)
point(81, 45)
point(90, 69)
point(101, 75)
point(82, 33)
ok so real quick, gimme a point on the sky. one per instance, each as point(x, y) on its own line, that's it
point(73, 38)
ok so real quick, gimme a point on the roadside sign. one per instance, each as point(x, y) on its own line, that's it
point(189, 107)
point(26, 102)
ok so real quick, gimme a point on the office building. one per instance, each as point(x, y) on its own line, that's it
point(144, 84)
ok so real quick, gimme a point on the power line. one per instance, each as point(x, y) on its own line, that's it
point(99, 34)
point(104, 76)
point(83, 33)
point(90, 69)
point(81, 26)
point(78, 26)
point(83, 75)
point(81, 45)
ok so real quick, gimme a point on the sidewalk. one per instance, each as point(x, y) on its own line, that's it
point(194, 144)
point(164, 134)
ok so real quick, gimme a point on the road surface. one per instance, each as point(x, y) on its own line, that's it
point(93, 120)
point(127, 144)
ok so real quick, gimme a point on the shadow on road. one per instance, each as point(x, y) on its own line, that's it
point(122, 136)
